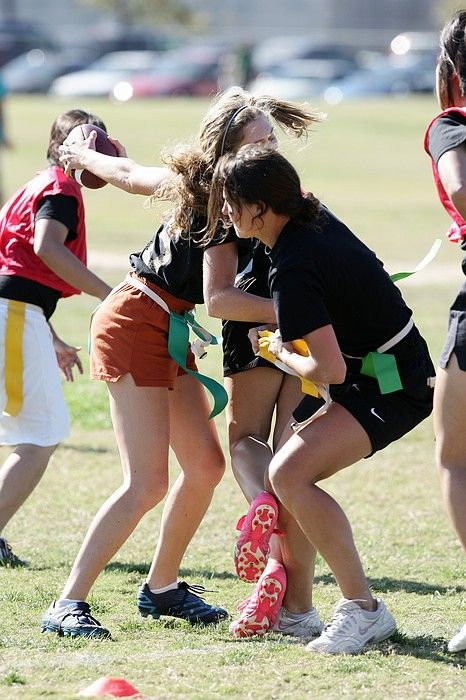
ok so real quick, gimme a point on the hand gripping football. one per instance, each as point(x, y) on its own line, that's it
point(102, 145)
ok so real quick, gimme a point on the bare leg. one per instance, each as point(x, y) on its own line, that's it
point(19, 476)
point(294, 550)
point(249, 425)
point(449, 414)
point(195, 443)
point(334, 441)
point(140, 417)
point(252, 395)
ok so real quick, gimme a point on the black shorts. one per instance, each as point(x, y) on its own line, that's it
point(384, 417)
point(456, 336)
point(237, 351)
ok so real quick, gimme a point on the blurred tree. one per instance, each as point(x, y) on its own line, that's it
point(444, 9)
point(131, 11)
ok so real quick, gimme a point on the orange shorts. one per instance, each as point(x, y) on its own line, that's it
point(129, 334)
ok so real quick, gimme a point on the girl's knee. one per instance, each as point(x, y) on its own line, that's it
point(142, 498)
point(279, 477)
point(214, 470)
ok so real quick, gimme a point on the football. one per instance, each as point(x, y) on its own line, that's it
point(102, 145)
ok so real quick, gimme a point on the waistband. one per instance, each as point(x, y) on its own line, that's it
point(32, 308)
point(390, 343)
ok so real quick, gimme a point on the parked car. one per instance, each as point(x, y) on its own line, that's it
point(35, 70)
point(194, 70)
point(103, 74)
point(272, 53)
point(392, 75)
point(300, 78)
point(18, 36)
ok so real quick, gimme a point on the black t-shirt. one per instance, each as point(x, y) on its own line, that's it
point(322, 274)
point(64, 209)
point(253, 277)
point(446, 133)
point(175, 263)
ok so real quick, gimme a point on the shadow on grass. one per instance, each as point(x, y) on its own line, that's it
point(389, 585)
point(421, 647)
point(184, 573)
point(84, 448)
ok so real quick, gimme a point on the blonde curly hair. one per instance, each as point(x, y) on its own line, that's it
point(220, 132)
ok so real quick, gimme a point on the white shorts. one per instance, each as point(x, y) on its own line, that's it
point(42, 415)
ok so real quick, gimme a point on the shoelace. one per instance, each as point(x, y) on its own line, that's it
point(197, 589)
point(335, 623)
point(83, 611)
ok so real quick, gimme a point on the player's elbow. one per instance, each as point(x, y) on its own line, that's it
point(45, 250)
point(332, 372)
point(213, 306)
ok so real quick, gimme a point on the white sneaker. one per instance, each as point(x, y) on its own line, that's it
point(352, 628)
point(458, 642)
point(304, 626)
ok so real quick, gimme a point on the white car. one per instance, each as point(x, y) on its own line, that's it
point(101, 76)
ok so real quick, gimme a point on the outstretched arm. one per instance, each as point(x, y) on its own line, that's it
point(222, 298)
point(121, 172)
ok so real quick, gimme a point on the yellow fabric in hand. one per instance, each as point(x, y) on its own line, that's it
point(300, 347)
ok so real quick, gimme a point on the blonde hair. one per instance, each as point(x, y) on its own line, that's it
point(221, 131)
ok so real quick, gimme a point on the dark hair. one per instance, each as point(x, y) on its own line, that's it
point(62, 126)
point(258, 175)
point(452, 57)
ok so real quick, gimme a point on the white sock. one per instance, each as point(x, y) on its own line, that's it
point(170, 587)
point(298, 616)
point(63, 602)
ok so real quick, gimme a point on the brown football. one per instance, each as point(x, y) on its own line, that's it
point(102, 145)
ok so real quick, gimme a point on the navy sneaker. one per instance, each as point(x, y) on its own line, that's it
point(7, 557)
point(179, 602)
point(74, 620)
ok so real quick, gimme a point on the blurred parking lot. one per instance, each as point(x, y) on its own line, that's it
point(144, 63)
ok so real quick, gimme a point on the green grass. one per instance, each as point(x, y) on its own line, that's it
point(366, 162)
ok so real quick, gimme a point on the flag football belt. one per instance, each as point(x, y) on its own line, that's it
point(14, 357)
point(14, 362)
point(381, 365)
point(178, 342)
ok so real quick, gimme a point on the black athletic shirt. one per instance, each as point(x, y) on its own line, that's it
point(322, 274)
point(175, 264)
point(253, 277)
point(447, 132)
point(64, 209)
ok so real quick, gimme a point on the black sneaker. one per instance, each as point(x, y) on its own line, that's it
point(7, 558)
point(74, 620)
point(179, 602)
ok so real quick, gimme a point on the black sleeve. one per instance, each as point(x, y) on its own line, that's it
point(298, 302)
point(62, 208)
point(446, 133)
point(222, 236)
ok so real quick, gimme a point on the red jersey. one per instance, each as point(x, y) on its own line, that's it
point(457, 231)
point(17, 256)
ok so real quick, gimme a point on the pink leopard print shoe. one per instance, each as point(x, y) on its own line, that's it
point(260, 611)
point(256, 529)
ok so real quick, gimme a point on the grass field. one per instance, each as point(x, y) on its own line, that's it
point(366, 162)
